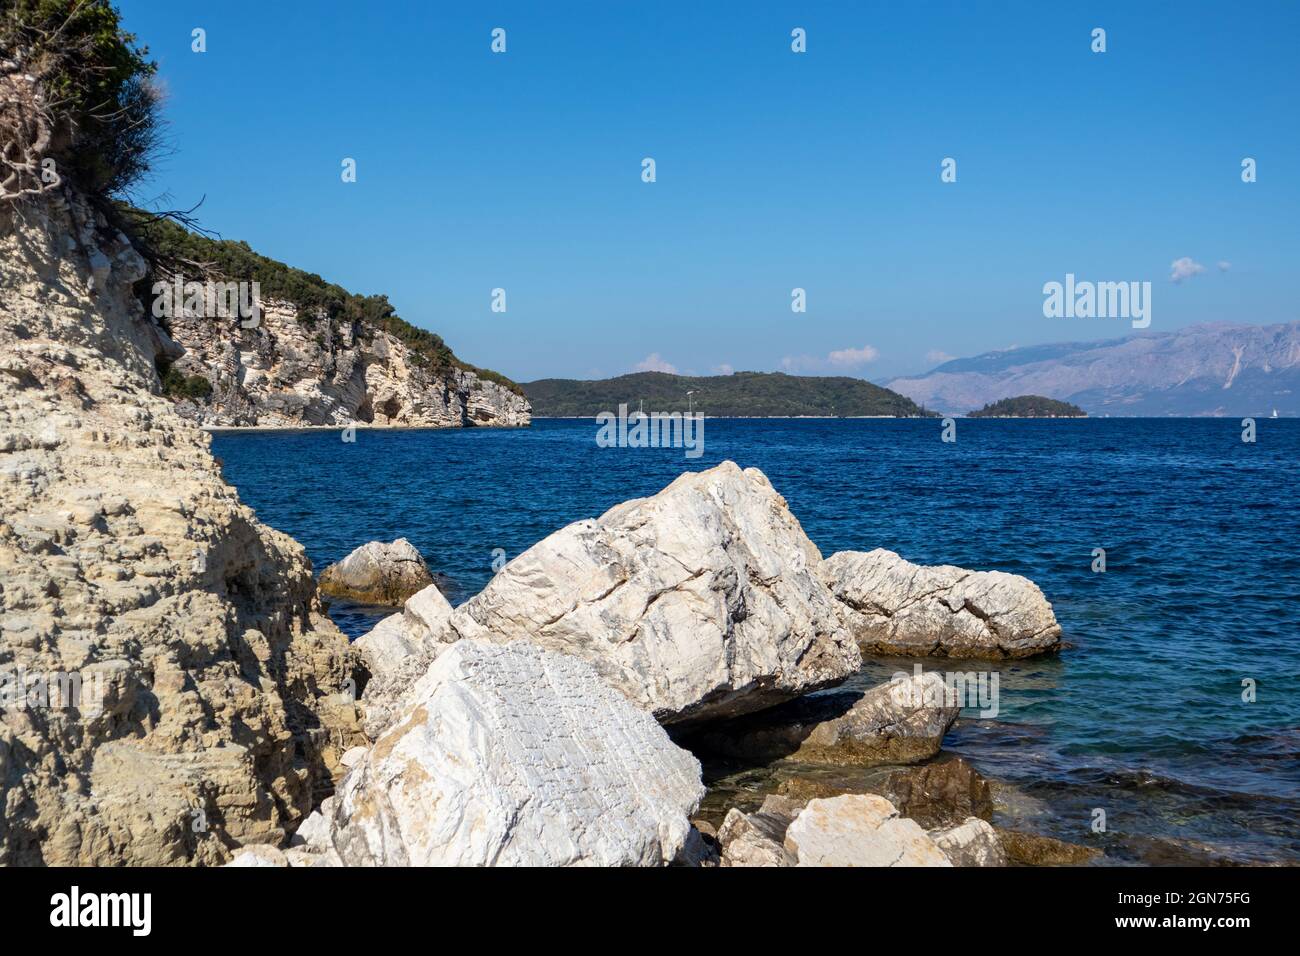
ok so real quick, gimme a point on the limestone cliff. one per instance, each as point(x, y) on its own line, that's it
point(299, 367)
point(213, 695)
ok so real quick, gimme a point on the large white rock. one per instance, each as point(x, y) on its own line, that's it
point(859, 830)
point(971, 843)
point(378, 573)
point(700, 601)
point(898, 722)
point(408, 633)
point(895, 607)
point(512, 755)
point(425, 613)
point(397, 651)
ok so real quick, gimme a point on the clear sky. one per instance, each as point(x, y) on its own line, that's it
point(775, 170)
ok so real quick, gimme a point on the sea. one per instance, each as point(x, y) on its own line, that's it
point(1175, 707)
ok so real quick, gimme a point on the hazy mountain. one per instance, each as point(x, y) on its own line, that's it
point(1213, 369)
point(742, 395)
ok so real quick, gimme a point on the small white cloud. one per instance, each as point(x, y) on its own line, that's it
point(723, 369)
point(839, 359)
point(1224, 265)
point(1184, 268)
point(938, 356)
point(654, 362)
point(852, 358)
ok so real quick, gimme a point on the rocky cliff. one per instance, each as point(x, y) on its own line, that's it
point(300, 367)
point(170, 687)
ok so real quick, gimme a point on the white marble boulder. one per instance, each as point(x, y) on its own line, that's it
point(701, 601)
point(508, 754)
point(892, 606)
point(973, 842)
point(397, 651)
point(859, 830)
point(377, 573)
point(411, 631)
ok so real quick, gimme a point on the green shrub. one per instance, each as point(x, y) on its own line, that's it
point(176, 384)
point(95, 90)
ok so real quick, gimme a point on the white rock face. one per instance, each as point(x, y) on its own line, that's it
point(511, 755)
point(425, 613)
point(895, 607)
point(972, 843)
point(378, 573)
point(700, 601)
point(211, 686)
point(407, 634)
point(859, 830)
point(385, 645)
point(397, 652)
point(297, 370)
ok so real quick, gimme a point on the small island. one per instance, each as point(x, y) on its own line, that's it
point(738, 395)
point(1029, 406)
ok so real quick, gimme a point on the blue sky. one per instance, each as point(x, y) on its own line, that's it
point(775, 170)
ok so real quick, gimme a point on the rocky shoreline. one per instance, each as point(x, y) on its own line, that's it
point(561, 716)
point(706, 608)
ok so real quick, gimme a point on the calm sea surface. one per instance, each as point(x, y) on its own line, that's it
point(1143, 717)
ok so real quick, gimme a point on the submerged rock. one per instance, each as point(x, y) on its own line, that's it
point(698, 602)
point(859, 830)
point(895, 607)
point(377, 573)
point(898, 722)
point(940, 794)
point(971, 843)
point(1030, 849)
point(512, 755)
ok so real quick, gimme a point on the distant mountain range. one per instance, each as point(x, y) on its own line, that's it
point(741, 395)
point(1202, 370)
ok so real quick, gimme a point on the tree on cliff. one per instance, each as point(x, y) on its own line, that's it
point(77, 101)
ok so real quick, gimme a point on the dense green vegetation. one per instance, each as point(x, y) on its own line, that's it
point(1029, 406)
point(92, 106)
point(315, 298)
point(742, 395)
point(177, 385)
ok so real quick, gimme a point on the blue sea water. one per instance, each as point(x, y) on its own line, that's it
point(1143, 717)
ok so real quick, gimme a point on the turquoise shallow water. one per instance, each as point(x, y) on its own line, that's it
point(1142, 717)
